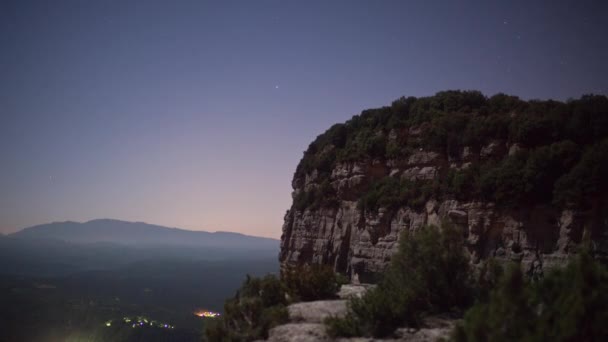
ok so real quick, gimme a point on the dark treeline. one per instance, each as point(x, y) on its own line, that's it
point(563, 149)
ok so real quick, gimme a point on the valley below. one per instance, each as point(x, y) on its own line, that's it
point(53, 290)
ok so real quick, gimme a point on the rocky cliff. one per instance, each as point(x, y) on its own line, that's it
point(519, 178)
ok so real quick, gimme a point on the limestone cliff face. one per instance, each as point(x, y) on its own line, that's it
point(360, 243)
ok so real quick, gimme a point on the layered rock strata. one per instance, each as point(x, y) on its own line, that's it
point(360, 243)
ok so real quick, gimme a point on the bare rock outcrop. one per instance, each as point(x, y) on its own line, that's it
point(317, 311)
point(353, 290)
point(306, 322)
point(298, 332)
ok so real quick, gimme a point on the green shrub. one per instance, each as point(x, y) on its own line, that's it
point(504, 182)
point(481, 128)
point(311, 282)
point(463, 184)
point(554, 134)
point(258, 305)
point(523, 178)
point(261, 303)
point(503, 104)
point(569, 304)
point(586, 180)
point(489, 276)
point(391, 193)
point(429, 274)
point(323, 195)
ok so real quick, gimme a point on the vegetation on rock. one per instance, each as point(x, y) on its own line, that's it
point(258, 305)
point(312, 282)
point(323, 195)
point(391, 193)
point(261, 303)
point(568, 304)
point(563, 149)
point(524, 174)
point(428, 275)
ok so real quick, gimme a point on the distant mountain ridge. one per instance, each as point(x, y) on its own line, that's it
point(139, 233)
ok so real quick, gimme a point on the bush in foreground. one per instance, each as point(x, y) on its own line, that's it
point(428, 275)
point(569, 304)
point(311, 282)
point(258, 305)
point(261, 303)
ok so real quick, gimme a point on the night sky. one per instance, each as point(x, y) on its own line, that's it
point(195, 114)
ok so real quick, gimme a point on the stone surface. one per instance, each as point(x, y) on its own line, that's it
point(434, 328)
point(467, 154)
point(306, 323)
point(298, 332)
point(317, 311)
point(513, 149)
point(495, 149)
point(353, 291)
point(458, 216)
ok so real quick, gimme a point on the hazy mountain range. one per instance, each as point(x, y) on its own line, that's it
point(63, 278)
point(67, 247)
point(139, 233)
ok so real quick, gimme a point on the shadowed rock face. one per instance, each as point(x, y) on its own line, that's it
point(360, 243)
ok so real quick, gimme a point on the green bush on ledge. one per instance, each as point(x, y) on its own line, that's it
point(429, 274)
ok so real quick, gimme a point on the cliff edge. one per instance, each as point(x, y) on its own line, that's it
point(523, 180)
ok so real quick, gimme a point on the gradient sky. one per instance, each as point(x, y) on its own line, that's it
point(195, 114)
